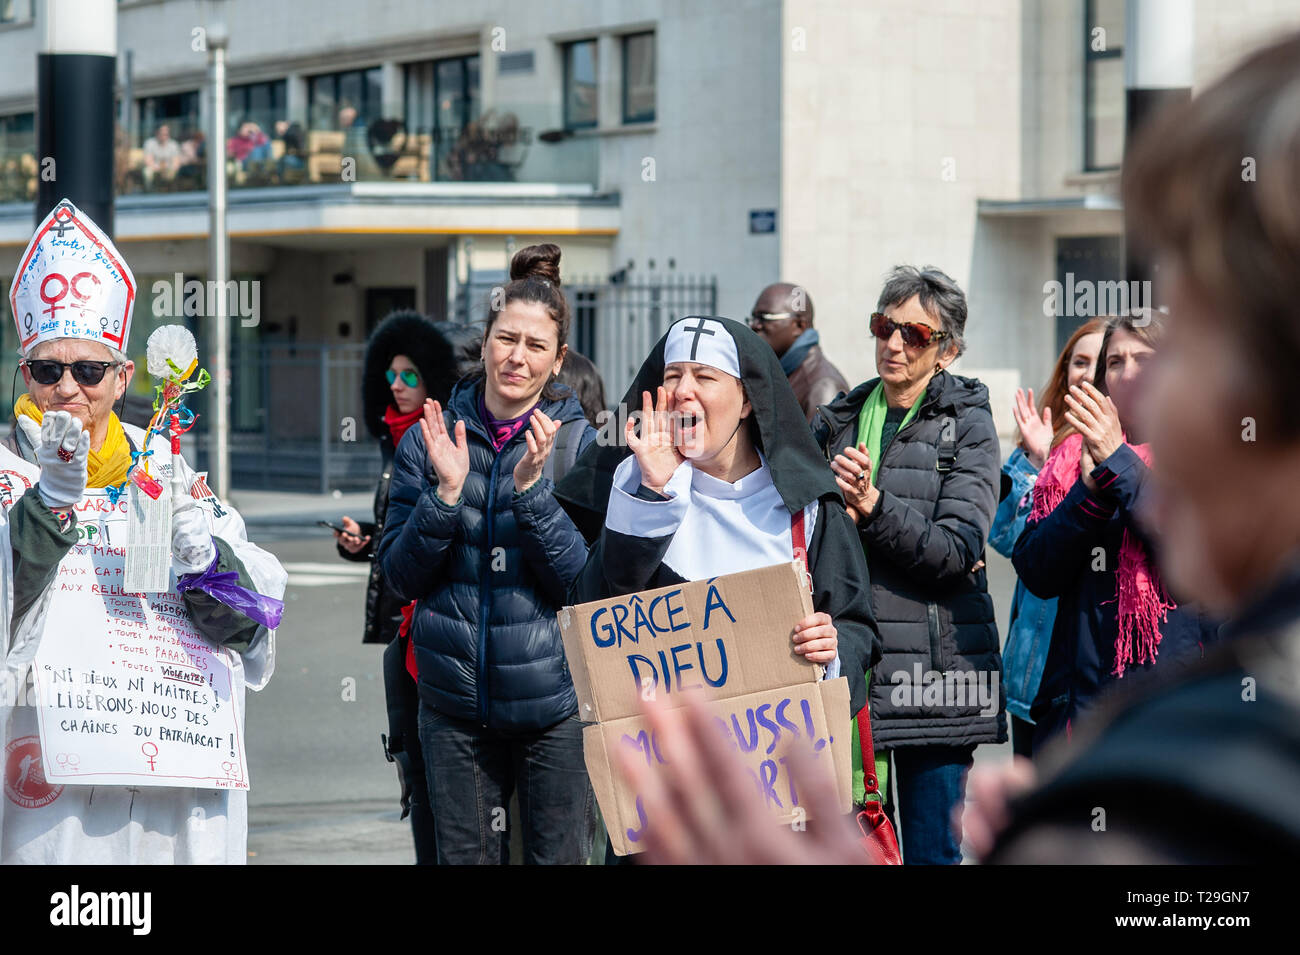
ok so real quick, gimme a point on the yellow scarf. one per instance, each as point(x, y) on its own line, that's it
point(104, 468)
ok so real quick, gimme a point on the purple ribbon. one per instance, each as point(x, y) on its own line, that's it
point(225, 587)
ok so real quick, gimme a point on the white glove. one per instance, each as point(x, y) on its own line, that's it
point(192, 546)
point(63, 479)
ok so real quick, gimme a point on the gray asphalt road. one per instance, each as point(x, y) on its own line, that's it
point(322, 792)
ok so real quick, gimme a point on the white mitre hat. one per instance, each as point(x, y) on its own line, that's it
point(72, 283)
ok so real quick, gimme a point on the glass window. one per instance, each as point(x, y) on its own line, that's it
point(321, 99)
point(260, 103)
point(357, 91)
point(18, 166)
point(179, 112)
point(580, 84)
point(442, 104)
point(1103, 84)
point(1106, 113)
point(639, 78)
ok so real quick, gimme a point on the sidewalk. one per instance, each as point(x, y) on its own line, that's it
point(263, 509)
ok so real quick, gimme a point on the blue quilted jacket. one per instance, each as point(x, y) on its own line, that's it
point(489, 573)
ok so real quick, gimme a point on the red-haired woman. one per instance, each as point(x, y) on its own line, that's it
point(1084, 543)
point(1032, 617)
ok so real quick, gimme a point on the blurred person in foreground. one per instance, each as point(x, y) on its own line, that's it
point(1041, 427)
point(1204, 765)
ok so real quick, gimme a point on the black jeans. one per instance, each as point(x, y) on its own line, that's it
point(472, 773)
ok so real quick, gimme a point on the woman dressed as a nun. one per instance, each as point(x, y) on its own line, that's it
point(723, 477)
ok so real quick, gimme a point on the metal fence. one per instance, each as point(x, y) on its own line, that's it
point(296, 422)
point(296, 417)
point(614, 323)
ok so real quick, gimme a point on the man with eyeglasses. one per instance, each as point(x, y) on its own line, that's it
point(783, 316)
point(72, 302)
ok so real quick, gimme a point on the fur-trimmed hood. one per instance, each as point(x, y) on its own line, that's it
point(439, 350)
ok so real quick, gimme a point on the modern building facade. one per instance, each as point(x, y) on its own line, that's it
point(683, 154)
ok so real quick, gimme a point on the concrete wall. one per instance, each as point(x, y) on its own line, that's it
point(895, 120)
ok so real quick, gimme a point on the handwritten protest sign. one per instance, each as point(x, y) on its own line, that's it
point(729, 640)
point(128, 691)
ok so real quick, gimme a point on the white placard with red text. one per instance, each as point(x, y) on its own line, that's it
point(129, 692)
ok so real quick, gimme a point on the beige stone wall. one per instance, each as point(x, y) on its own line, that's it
point(896, 119)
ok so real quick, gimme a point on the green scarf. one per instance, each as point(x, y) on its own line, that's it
point(871, 423)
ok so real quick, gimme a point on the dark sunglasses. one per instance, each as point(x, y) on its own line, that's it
point(409, 377)
point(914, 335)
point(47, 372)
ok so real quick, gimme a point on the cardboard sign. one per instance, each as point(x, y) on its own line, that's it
point(128, 691)
point(730, 640)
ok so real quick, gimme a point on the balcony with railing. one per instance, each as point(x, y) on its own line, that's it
point(508, 144)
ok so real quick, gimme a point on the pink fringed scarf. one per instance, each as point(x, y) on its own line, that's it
point(1143, 603)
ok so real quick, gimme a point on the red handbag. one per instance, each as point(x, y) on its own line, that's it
point(878, 838)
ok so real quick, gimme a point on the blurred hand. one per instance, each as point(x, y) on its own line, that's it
point(539, 434)
point(816, 638)
point(988, 791)
point(701, 805)
point(352, 541)
point(1035, 432)
point(852, 468)
point(655, 449)
point(450, 458)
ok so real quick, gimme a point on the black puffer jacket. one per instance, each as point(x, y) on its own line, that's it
point(441, 352)
point(489, 572)
point(938, 480)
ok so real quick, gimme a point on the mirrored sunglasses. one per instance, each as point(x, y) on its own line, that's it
point(409, 377)
point(914, 335)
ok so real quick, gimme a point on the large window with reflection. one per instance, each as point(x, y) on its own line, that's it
point(18, 167)
point(580, 84)
point(443, 106)
point(342, 101)
point(639, 78)
point(259, 103)
point(1103, 84)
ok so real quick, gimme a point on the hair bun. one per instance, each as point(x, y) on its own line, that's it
point(537, 262)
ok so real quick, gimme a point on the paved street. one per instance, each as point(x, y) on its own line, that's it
point(321, 789)
point(322, 792)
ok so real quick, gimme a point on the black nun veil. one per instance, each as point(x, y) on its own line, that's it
point(799, 470)
point(619, 564)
